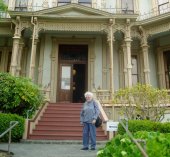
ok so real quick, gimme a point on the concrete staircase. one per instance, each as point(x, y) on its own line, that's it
point(61, 122)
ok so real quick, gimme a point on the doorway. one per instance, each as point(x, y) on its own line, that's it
point(72, 82)
point(167, 68)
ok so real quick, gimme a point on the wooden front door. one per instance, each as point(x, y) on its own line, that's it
point(72, 73)
point(65, 83)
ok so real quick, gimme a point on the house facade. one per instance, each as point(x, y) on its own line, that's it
point(71, 46)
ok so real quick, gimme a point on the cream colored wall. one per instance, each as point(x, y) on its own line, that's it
point(110, 3)
point(47, 61)
point(98, 62)
point(145, 6)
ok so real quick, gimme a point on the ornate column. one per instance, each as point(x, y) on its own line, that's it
point(41, 61)
point(33, 59)
point(33, 48)
point(54, 67)
point(111, 40)
point(21, 45)
point(128, 65)
point(144, 46)
point(16, 40)
point(125, 76)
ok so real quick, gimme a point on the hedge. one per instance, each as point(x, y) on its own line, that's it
point(145, 125)
point(17, 131)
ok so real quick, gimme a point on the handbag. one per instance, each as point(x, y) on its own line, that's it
point(98, 122)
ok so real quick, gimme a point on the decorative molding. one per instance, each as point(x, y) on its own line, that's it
point(25, 24)
point(158, 28)
point(93, 27)
point(135, 33)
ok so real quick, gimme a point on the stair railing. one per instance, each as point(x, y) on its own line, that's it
point(136, 141)
point(11, 126)
point(32, 122)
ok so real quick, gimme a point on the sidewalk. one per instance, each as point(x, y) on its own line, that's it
point(48, 150)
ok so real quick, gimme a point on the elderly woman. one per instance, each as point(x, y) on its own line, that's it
point(88, 116)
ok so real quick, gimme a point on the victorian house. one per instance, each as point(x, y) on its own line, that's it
point(71, 46)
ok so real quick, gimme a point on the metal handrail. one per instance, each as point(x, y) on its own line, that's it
point(134, 140)
point(11, 126)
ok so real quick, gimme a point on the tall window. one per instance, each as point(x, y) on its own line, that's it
point(135, 79)
point(86, 2)
point(63, 2)
point(163, 6)
point(21, 5)
point(127, 6)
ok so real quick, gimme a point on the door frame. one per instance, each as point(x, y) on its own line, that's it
point(90, 42)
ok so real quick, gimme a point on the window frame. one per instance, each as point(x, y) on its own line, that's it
point(125, 10)
point(135, 56)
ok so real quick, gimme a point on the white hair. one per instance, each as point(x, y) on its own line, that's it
point(88, 94)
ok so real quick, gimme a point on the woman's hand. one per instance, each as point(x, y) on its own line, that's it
point(94, 121)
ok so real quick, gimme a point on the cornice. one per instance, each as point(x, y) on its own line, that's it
point(154, 20)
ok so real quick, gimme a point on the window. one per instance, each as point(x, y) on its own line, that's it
point(21, 5)
point(127, 6)
point(9, 61)
point(85, 2)
point(63, 2)
point(163, 6)
point(135, 79)
point(0, 59)
point(167, 68)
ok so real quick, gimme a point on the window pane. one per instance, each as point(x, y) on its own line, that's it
point(134, 66)
point(66, 77)
point(134, 62)
point(134, 79)
point(128, 4)
point(64, 1)
point(84, 1)
point(21, 3)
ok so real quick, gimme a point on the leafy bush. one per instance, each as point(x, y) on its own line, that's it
point(142, 102)
point(17, 131)
point(145, 125)
point(157, 145)
point(18, 95)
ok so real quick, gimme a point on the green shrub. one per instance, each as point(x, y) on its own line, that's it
point(17, 131)
point(142, 102)
point(145, 125)
point(157, 145)
point(18, 95)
